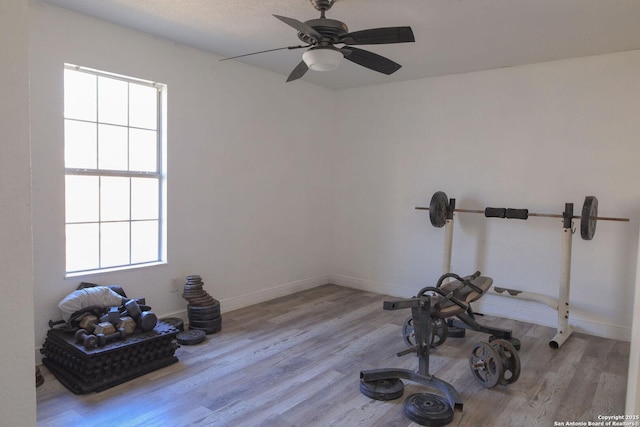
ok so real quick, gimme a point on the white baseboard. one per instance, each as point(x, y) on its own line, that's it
point(241, 301)
point(502, 306)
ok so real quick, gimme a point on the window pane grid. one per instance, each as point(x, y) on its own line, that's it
point(127, 150)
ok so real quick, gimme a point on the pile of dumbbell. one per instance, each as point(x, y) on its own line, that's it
point(203, 310)
point(116, 324)
point(82, 370)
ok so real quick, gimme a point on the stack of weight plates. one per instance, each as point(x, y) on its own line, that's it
point(203, 309)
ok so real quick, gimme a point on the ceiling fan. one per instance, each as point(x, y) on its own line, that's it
point(322, 34)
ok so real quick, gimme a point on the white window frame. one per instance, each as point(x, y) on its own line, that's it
point(159, 174)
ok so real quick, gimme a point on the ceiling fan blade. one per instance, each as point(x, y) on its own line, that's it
point(370, 60)
point(263, 51)
point(301, 27)
point(379, 36)
point(298, 72)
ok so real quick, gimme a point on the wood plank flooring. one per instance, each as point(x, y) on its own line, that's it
point(295, 361)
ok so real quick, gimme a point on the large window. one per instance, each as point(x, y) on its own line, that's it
point(114, 171)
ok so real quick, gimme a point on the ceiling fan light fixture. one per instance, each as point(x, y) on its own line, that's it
point(322, 58)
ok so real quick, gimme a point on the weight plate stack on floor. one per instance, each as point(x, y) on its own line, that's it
point(203, 310)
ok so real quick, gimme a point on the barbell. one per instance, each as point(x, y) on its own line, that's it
point(442, 208)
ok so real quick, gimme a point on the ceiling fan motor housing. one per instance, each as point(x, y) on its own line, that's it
point(330, 29)
point(322, 5)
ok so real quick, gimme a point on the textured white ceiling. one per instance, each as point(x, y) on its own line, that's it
point(452, 36)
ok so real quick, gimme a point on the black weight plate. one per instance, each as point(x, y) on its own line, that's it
point(215, 305)
point(486, 364)
point(428, 409)
point(191, 337)
point(439, 332)
point(438, 209)
point(207, 324)
point(515, 342)
point(589, 216)
point(408, 333)
point(207, 331)
point(387, 389)
point(201, 301)
point(455, 331)
point(510, 361)
point(203, 317)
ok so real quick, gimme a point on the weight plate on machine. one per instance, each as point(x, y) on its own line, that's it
point(589, 217)
point(438, 209)
point(386, 389)
point(515, 342)
point(439, 332)
point(428, 409)
point(408, 333)
point(190, 337)
point(510, 361)
point(486, 364)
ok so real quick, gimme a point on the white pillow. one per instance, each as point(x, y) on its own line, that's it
point(101, 296)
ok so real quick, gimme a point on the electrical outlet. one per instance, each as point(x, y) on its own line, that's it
point(175, 285)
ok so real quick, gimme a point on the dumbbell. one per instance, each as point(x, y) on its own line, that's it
point(52, 323)
point(103, 340)
point(147, 320)
point(112, 316)
point(89, 341)
point(133, 309)
point(88, 323)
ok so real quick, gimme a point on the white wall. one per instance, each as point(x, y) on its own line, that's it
point(248, 189)
point(260, 209)
point(633, 382)
point(526, 137)
point(17, 364)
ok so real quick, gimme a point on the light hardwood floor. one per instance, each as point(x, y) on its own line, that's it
point(295, 361)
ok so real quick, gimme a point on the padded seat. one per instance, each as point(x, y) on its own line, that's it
point(445, 307)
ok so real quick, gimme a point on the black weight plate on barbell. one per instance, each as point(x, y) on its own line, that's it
point(428, 409)
point(386, 389)
point(589, 217)
point(191, 337)
point(438, 209)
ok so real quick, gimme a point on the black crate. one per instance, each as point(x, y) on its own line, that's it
point(82, 370)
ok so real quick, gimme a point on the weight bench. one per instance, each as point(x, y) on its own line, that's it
point(491, 364)
point(452, 302)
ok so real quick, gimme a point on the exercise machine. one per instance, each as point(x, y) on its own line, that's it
point(441, 210)
point(492, 363)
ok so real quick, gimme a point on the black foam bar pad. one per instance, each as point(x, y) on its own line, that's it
point(517, 213)
point(495, 212)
